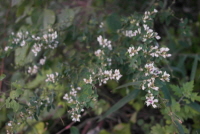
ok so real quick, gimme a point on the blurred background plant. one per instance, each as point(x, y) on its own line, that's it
point(33, 83)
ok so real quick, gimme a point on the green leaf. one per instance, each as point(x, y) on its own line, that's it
point(157, 129)
point(104, 132)
point(8, 102)
point(121, 103)
point(74, 130)
point(113, 22)
point(16, 93)
point(179, 127)
point(2, 77)
point(48, 18)
point(195, 106)
point(167, 95)
point(194, 68)
point(177, 90)
point(23, 55)
point(40, 127)
point(188, 86)
point(137, 83)
point(122, 128)
point(67, 15)
point(187, 89)
point(15, 2)
point(14, 105)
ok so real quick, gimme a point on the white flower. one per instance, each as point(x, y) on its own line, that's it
point(101, 25)
point(132, 51)
point(51, 77)
point(23, 43)
point(109, 61)
point(36, 48)
point(9, 124)
point(158, 37)
point(88, 81)
point(104, 42)
point(76, 117)
point(42, 61)
point(78, 88)
point(155, 11)
point(33, 70)
point(165, 77)
point(151, 101)
point(117, 74)
point(99, 53)
point(7, 48)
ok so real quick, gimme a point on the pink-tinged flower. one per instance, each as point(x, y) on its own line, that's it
point(151, 101)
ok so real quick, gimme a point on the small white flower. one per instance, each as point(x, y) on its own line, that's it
point(151, 101)
point(155, 10)
point(9, 124)
point(165, 77)
point(101, 25)
point(132, 51)
point(99, 53)
point(51, 77)
point(104, 42)
point(88, 81)
point(7, 48)
point(42, 61)
point(23, 43)
point(158, 37)
point(33, 70)
point(36, 48)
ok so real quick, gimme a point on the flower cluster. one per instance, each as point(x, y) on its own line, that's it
point(7, 48)
point(149, 33)
point(33, 70)
point(132, 51)
point(152, 70)
point(71, 97)
point(104, 42)
point(88, 81)
point(150, 84)
point(106, 75)
point(36, 48)
point(44, 41)
point(130, 33)
point(156, 52)
point(99, 53)
point(151, 101)
point(51, 77)
point(152, 74)
point(109, 60)
point(72, 94)
point(101, 25)
point(42, 61)
point(20, 38)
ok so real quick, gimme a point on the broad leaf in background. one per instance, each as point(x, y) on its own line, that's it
point(2, 77)
point(179, 127)
point(194, 68)
point(121, 103)
point(137, 83)
point(49, 18)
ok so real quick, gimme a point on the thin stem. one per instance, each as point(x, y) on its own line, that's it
point(181, 99)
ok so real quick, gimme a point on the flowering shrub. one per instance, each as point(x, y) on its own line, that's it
point(58, 69)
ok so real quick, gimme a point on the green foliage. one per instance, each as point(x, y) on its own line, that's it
point(2, 77)
point(74, 130)
point(121, 103)
point(122, 128)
